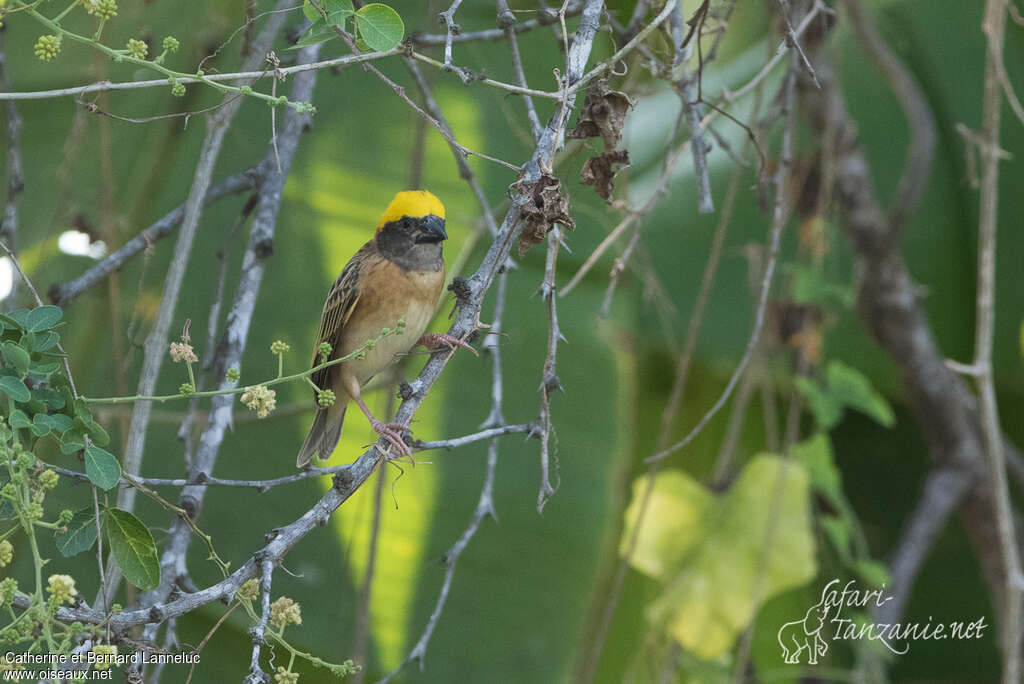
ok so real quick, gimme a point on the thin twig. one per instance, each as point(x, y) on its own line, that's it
point(485, 504)
point(779, 214)
point(236, 329)
point(687, 89)
point(451, 29)
point(549, 381)
point(156, 342)
point(994, 26)
point(256, 674)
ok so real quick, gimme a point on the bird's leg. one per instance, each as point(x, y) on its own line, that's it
point(434, 341)
point(391, 432)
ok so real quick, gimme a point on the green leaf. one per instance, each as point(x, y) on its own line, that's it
point(827, 411)
point(40, 425)
point(44, 370)
point(815, 455)
point(80, 534)
point(82, 409)
point(738, 549)
point(47, 340)
point(338, 12)
point(71, 442)
point(16, 356)
point(133, 547)
point(60, 423)
point(43, 317)
point(851, 388)
point(28, 342)
point(51, 399)
point(15, 319)
point(18, 419)
point(379, 26)
point(810, 287)
point(312, 13)
point(102, 468)
point(97, 433)
point(316, 34)
point(14, 388)
point(872, 572)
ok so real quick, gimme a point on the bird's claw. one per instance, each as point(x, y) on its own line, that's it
point(434, 341)
point(392, 434)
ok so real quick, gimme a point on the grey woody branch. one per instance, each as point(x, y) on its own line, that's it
point(467, 320)
point(157, 340)
point(232, 345)
point(61, 294)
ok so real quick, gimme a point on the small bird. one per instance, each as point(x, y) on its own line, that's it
point(399, 274)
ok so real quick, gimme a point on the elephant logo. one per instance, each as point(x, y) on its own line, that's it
point(805, 635)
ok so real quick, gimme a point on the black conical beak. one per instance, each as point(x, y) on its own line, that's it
point(432, 230)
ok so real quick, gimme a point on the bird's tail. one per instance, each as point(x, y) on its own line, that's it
point(324, 434)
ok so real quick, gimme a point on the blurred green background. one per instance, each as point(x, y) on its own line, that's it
point(528, 591)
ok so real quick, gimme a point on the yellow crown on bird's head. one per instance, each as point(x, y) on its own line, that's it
point(411, 203)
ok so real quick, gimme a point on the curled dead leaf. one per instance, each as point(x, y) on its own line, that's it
point(600, 171)
point(548, 207)
point(604, 113)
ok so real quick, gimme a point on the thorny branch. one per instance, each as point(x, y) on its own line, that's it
point(232, 346)
point(466, 321)
point(549, 382)
point(256, 674)
point(156, 342)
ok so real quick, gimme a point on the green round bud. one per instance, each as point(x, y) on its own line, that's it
point(324, 349)
point(26, 460)
point(187, 389)
point(233, 374)
point(47, 47)
point(278, 347)
point(171, 44)
point(65, 516)
point(34, 511)
point(137, 48)
point(178, 90)
point(48, 479)
point(101, 9)
point(325, 398)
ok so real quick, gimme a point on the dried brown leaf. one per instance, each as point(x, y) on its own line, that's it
point(549, 206)
point(604, 113)
point(600, 171)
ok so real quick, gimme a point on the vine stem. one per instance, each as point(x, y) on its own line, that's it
point(173, 76)
point(239, 390)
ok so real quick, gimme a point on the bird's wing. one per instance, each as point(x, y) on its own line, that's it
point(341, 302)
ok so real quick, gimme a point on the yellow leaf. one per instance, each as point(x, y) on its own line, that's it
point(722, 556)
